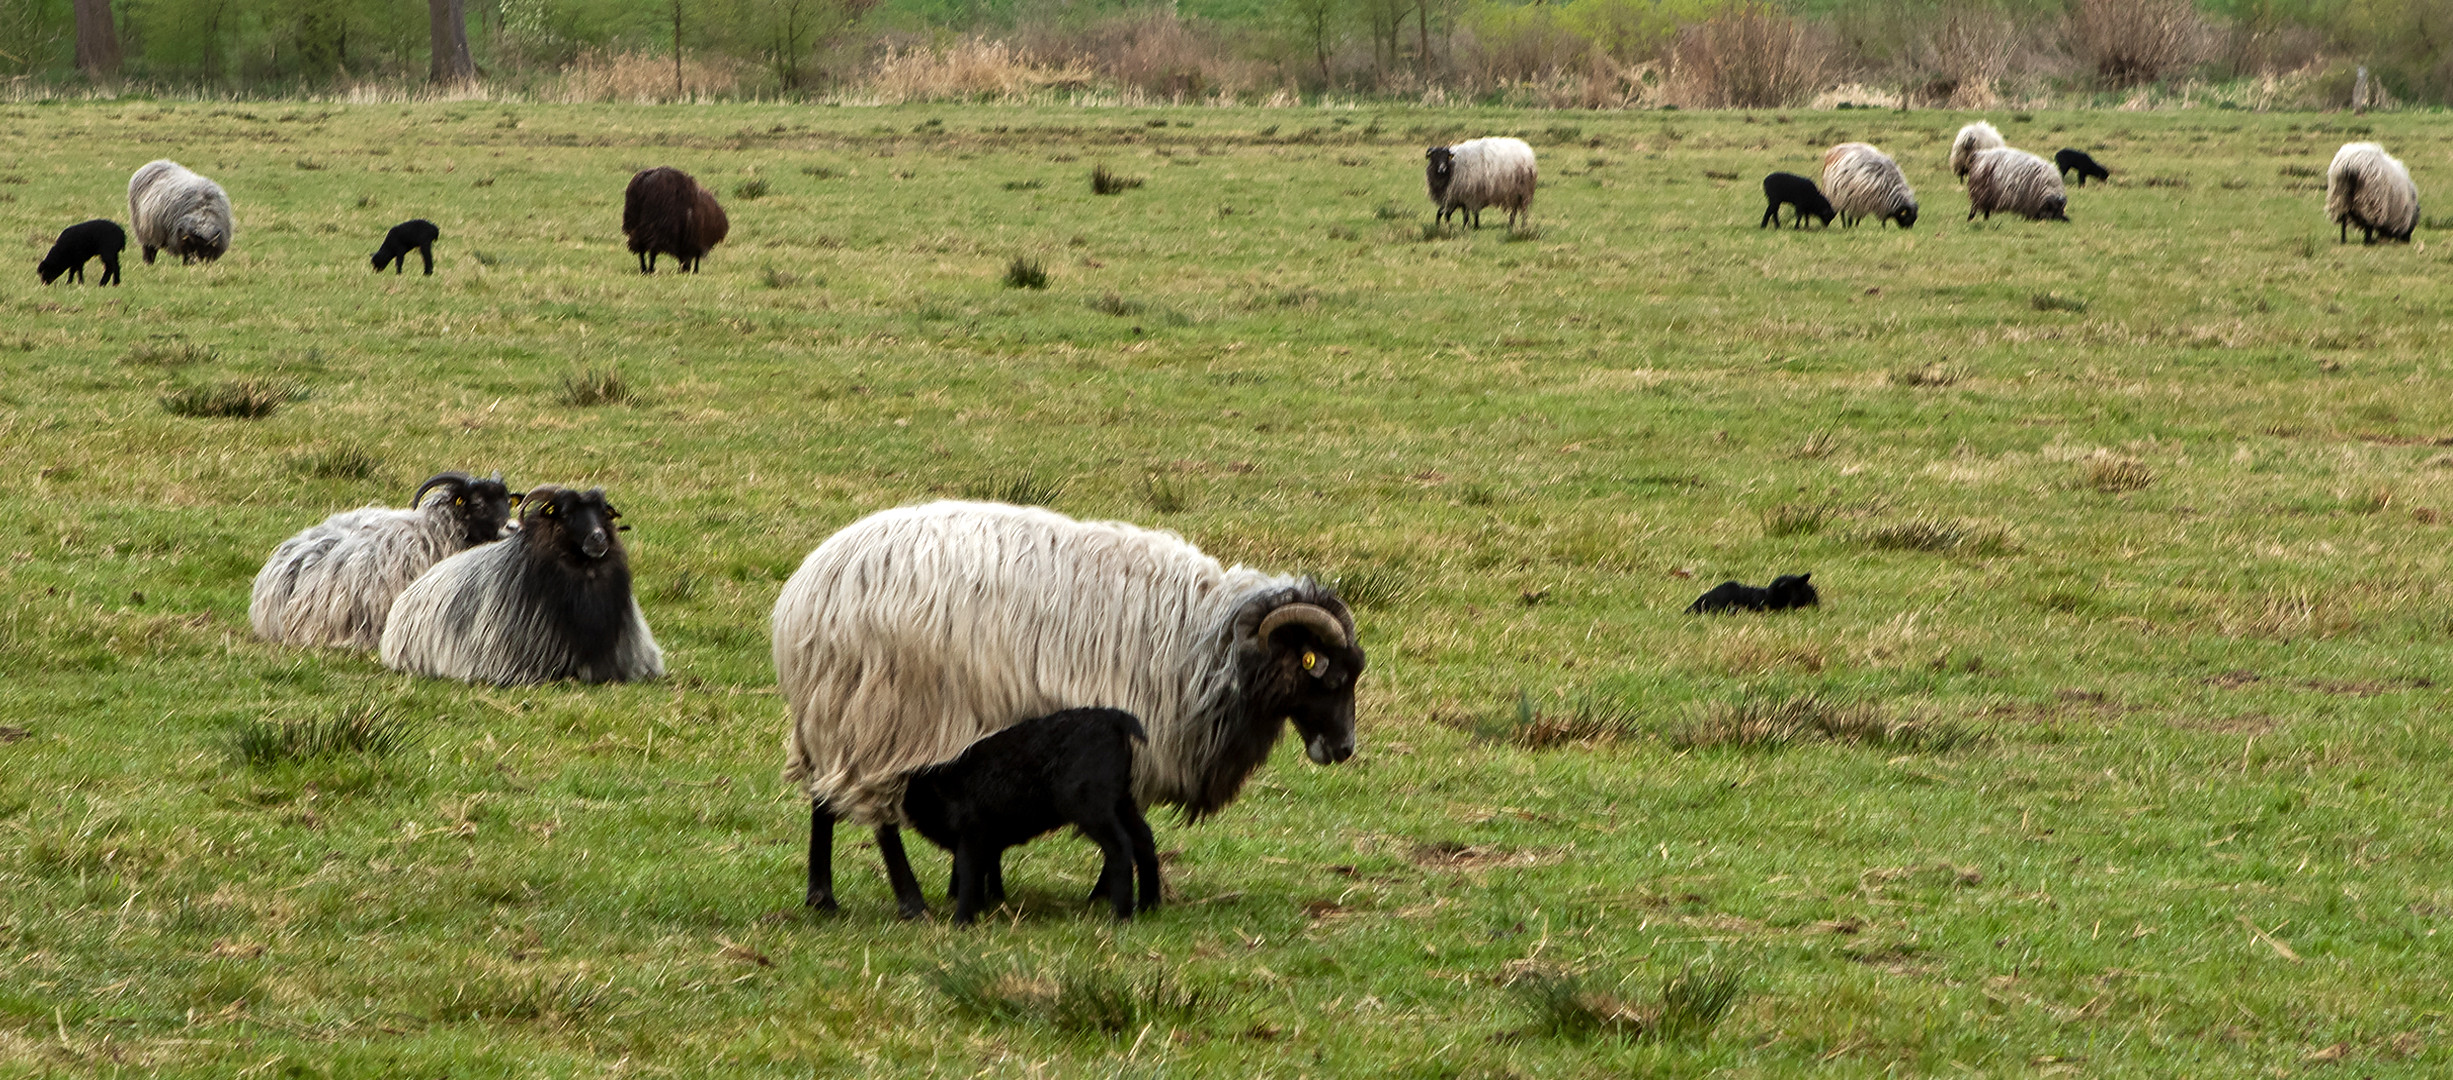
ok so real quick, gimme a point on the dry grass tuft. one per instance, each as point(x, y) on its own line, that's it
point(1938, 535)
point(1793, 519)
point(1536, 727)
point(596, 386)
point(1934, 376)
point(2113, 475)
point(1078, 999)
point(1104, 182)
point(1777, 723)
point(243, 399)
point(973, 69)
point(1690, 1004)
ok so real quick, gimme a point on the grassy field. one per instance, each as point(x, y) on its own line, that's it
point(2118, 746)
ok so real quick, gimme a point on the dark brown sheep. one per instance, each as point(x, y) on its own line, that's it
point(666, 212)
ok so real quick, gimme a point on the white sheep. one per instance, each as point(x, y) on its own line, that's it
point(1975, 137)
point(914, 632)
point(1863, 182)
point(180, 212)
point(2014, 181)
point(333, 584)
point(552, 602)
point(2366, 187)
point(1482, 172)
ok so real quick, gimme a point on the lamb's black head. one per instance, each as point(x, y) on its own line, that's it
point(482, 507)
point(574, 527)
point(1442, 167)
point(50, 271)
point(1793, 591)
point(1301, 662)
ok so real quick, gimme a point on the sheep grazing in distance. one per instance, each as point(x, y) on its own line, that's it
point(1482, 172)
point(1972, 140)
point(1069, 768)
point(666, 212)
point(913, 633)
point(2366, 187)
point(177, 211)
point(416, 234)
point(552, 602)
point(2016, 182)
point(333, 584)
point(2070, 159)
point(96, 239)
point(1789, 189)
point(1785, 592)
point(1865, 183)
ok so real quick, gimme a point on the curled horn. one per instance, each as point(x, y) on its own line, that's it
point(434, 481)
point(1312, 617)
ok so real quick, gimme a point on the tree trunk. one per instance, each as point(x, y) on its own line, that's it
point(97, 40)
point(448, 31)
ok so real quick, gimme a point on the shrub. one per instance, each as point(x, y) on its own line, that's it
point(1751, 55)
point(2136, 42)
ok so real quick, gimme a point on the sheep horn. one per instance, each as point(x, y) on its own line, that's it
point(436, 480)
point(1312, 617)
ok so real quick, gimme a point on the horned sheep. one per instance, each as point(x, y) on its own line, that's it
point(552, 602)
point(1972, 140)
point(914, 632)
point(333, 584)
point(1476, 173)
point(2014, 181)
point(2368, 188)
point(177, 211)
point(665, 211)
point(1864, 182)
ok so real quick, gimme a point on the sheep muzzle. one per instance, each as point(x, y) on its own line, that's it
point(595, 543)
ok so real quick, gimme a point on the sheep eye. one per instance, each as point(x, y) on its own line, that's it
point(1311, 661)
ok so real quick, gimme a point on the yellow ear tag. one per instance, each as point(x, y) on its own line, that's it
point(1310, 661)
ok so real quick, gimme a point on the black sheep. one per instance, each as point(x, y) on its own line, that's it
point(1789, 189)
point(416, 234)
point(1786, 591)
point(85, 240)
point(1069, 768)
point(665, 211)
point(2073, 160)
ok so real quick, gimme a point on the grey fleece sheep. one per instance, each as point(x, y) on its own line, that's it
point(2366, 187)
point(1482, 172)
point(1863, 182)
point(177, 211)
point(1972, 139)
point(552, 602)
point(2016, 182)
point(333, 584)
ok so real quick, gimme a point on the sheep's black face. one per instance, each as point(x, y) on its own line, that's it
point(1441, 169)
point(2057, 209)
point(574, 526)
point(1308, 676)
point(1906, 217)
point(483, 508)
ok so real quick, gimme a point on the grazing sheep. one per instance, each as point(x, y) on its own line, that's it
point(914, 632)
point(2366, 187)
point(177, 211)
point(1972, 140)
point(85, 240)
point(2016, 182)
point(552, 602)
point(1069, 768)
point(1482, 172)
point(1864, 182)
point(1785, 592)
point(416, 234)
point(2070, 159)
point(1789, 189)
point(333, 584)
point(666, 212)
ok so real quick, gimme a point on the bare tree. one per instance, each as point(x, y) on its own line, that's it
point(97, 40)
point(1315, 21)
point(447, 29)
point(2136, 42)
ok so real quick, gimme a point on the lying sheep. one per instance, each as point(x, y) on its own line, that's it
point(1789, 189)
point(333, 585)
point(415, 234)
point(2016, 182)
point(2070, 159)
point(666, 212)
point(1785, 592)
point(552, 602)
point(1069, 768)
point(96, 239)
point(1482, 172)
point(1972, 140)
point(1864, 182)
point(2366, 187)
point(177, 211)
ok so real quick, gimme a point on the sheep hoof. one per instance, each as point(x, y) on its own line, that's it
point(823, 905)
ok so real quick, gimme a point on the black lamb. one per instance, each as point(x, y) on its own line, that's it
point(1785, 592)
point(416, 234)
point(2073, 160)
point(1789, 189)
point(85, 240)
point(1068, 768)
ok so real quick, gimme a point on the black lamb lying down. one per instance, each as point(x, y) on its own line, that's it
point(1069, 768)
point(2072, 160)
point(1789, 189)
point(416, 234)
point(86, 240)
point(1785, 592)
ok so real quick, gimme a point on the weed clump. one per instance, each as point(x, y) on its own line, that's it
point(1116, 305)
point(168, 354)
point(1777, 723)
point(1791, 519)
point(343, 462)
point(596, 386)
point(2112, 475)
point(751, 189)
point(1078, 999)
point(1531, 726)
point(1025, 489)
point(1937, 535)
point(1103, 182)
point(2053, 301)
point(244, 399)
point(1371, 586)
point(1934, 376)
point(1690, 1004)
point(363, 729)
point(1025, 273)
point(1163, 494)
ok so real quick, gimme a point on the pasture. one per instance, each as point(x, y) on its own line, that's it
point(2118, 746)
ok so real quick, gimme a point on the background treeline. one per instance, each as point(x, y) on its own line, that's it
point(1593, 53)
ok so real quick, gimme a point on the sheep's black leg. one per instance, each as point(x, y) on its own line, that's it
point(1145, 852)
point(426, 252)
point(821, 857)
point(110, 269)
point(1118, 871)
point(908, 901)
point(974, 863)
point(76, 274)
point(149, 249)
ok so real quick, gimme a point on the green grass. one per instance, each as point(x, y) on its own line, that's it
point(2117, 746)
